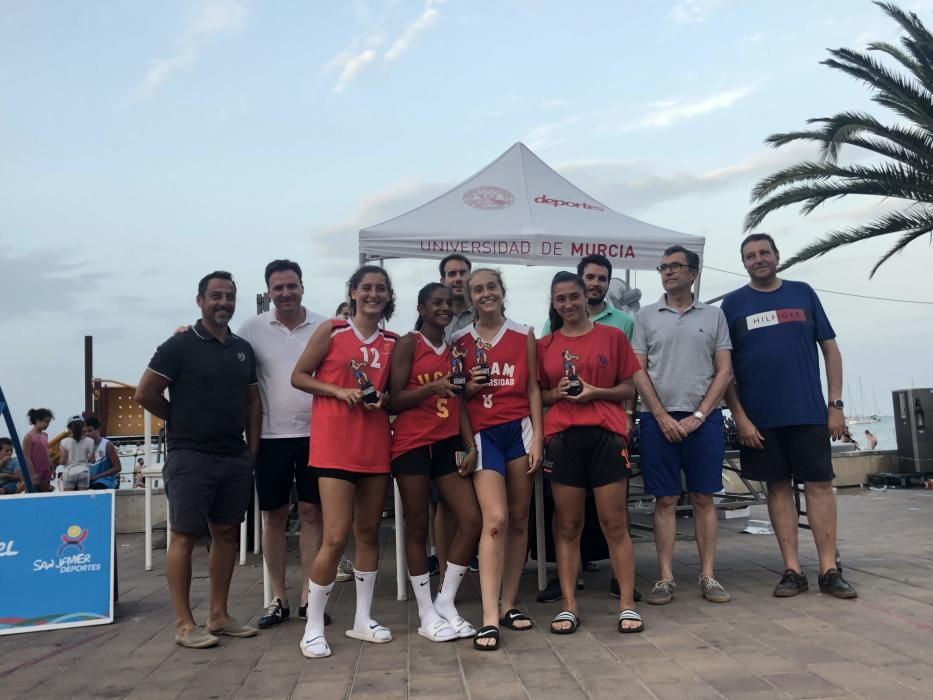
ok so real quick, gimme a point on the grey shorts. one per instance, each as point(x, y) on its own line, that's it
point(205, 487)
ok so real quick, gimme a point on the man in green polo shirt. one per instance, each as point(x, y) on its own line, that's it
point(596, 271)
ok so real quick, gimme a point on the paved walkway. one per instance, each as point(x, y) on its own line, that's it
point(757, 646)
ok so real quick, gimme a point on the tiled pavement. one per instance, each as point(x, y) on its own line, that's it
point(757, 646)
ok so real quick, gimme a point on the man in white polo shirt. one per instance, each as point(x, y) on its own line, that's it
point(278, 338)
point(685, 353)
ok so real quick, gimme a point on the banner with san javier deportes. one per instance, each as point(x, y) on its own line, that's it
point(56, 560)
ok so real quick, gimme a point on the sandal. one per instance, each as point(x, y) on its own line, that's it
point(630, 615)
point(375, 634)
point(565, 616)
point(487, 632)
point(514, 615)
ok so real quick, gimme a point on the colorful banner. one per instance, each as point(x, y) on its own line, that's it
point(56, 560)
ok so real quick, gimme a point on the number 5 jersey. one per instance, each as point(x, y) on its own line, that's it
point(434, 419)
point(505, 397)
point(352, 437)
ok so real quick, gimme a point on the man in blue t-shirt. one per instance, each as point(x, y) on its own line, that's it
point(783, 420)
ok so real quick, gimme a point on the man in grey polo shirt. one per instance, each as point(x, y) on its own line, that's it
point(685, 353)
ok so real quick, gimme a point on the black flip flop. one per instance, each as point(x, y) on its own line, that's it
point(487, 632)
point(515, 614)
point(565, 616)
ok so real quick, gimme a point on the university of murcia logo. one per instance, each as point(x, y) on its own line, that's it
point(488, 197)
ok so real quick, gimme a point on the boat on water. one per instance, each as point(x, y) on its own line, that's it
point(861, 418)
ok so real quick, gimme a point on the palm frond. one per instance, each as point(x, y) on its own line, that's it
point(886, 179)
point(919, 222)
point(899, 246)
point(892, 90)
point(902, 84)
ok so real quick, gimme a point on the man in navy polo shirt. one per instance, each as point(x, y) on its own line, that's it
point(783, 420)
point(213, 398)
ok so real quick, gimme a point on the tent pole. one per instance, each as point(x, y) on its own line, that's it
point(696, 283)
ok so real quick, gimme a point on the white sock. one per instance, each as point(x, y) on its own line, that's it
point(317, 599)
point(365, 588)
point(444, 603)
point(422, 587)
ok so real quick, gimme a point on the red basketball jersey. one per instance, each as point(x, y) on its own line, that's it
point(435, 418)
point(505, 398)
point(602, 358)
point(352, 437)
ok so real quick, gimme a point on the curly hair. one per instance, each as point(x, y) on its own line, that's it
point(355, 280)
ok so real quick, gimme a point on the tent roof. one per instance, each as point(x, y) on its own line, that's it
point(519, 210)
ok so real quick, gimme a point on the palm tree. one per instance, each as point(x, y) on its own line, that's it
point(903, 167)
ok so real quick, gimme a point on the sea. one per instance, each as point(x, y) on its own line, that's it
point(883, 430)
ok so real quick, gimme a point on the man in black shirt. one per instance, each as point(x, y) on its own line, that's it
point(208, 473)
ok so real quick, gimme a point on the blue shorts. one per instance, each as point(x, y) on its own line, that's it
point(499, 445)
point(700, 456)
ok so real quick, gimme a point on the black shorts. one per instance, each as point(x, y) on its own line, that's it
point(799, 451)
point(432, 461)
point(345, 474)
point(280, 462)
point(586, 457)
point(205, 487)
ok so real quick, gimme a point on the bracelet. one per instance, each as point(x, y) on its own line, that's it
point(470, 448)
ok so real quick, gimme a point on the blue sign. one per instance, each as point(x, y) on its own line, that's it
point(56, 560)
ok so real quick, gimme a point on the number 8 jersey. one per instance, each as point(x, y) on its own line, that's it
point(352, 437)
point(505, 398)
point(435, 418)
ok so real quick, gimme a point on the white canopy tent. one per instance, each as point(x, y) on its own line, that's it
point(517, 210)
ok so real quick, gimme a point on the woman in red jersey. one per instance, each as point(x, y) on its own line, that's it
point(427, 434)
point(346, 367)
point(585, 370)
point(504, 405)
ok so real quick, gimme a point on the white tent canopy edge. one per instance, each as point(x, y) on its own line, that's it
point(517, 210)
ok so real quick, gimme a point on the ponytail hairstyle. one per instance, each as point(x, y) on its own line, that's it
point(355, 280)
point(423, 295)
point(563, 276)
point(37, 414)
point(495, 273)
point(76, 426)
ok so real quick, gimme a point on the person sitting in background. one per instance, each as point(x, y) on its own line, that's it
point(871, 440)
point(11, 476)
point(75, 456)
point(847, 438)
point(105, 471)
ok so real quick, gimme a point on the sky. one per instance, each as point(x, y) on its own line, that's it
point(146, 144)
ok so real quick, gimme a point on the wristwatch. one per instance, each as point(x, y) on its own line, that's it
point(699, 415)
point(837, 404)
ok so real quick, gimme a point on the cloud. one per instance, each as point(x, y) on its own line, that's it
point(371, 210)
point(664, 114)
point(630, 186)
point(353, 67)
point(692, 11)
point(361, 52)
point(546, 136)
point(47, 282)
point(214, 18)
point(410, 32)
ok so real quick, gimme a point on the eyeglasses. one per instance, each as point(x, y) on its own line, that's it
point(673, 267)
